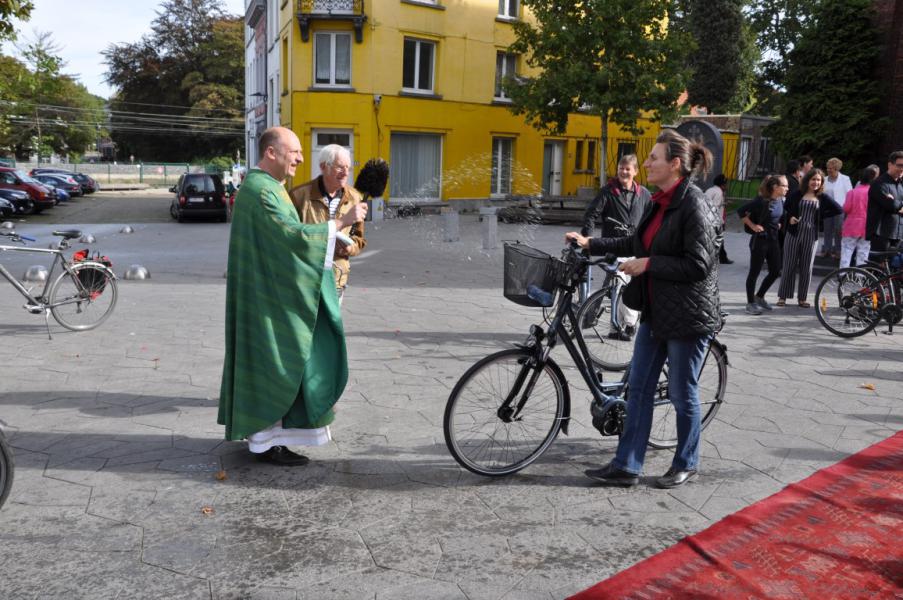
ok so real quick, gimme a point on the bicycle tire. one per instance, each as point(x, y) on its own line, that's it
point(712, 385)
point(490, 446)
point(609, 350)
point(7, 468)
point(79, 306)
point(848, 302)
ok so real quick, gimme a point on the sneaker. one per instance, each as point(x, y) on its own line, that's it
point(753, 309)
point(282, 456)
point(763, 303)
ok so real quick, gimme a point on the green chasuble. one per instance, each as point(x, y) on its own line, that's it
point(285, 346)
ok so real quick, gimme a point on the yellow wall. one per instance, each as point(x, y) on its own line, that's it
point(468, 35)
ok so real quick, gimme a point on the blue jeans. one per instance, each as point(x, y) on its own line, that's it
point(685, 359)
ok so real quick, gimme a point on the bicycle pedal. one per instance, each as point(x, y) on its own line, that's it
point(33, 309)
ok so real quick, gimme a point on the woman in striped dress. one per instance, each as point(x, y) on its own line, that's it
point(804, 211)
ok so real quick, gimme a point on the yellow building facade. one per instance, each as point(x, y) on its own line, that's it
point(416, 82)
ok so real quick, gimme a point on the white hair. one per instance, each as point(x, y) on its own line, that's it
point(329, 154)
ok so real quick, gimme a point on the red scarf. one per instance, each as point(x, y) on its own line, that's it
point(662, 200)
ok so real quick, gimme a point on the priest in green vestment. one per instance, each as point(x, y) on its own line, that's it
point(285, 365)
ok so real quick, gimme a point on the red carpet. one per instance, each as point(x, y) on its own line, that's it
point(836, 534)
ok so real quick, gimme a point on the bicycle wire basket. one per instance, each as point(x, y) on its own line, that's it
point(527, 267)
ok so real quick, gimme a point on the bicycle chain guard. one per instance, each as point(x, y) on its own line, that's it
point(608, 417)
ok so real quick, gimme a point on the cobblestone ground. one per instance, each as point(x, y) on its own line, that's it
point(117, 446)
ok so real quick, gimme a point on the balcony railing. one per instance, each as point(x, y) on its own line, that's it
point(351, 10)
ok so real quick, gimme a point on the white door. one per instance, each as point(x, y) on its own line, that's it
point(324, 137)
point(552, 158)
point(743, 159)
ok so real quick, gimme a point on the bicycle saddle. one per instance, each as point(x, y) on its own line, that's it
point(68, 234)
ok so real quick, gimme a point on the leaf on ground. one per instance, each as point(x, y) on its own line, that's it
point(207, 510)
point(221, 476)
point(868, 386)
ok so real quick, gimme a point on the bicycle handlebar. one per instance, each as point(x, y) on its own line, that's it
point(28, 239)
point(16, 237)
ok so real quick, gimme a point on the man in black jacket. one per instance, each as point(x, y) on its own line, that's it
point(884, 225)
point(621, 199)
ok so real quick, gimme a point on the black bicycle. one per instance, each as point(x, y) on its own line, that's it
point(509, 407)
point(6, 469)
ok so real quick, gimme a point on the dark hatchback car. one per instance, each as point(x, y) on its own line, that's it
point(16, 179)
point(21, 201)
point(199, 195)
point(6, 208)
point(60, 181)
point(87, 183)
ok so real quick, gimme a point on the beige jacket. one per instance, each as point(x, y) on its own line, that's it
point(313, 207)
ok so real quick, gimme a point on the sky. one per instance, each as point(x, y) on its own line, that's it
point(84, 28)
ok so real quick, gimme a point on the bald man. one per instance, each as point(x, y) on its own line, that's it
point(285, 365)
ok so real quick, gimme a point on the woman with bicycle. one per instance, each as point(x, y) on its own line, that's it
point(675, 286)
point(762, 220)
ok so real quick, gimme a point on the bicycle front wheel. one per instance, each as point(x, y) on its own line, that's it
point(481, 432)
point(610, 347)
point(84, 298)
point(712, 384)
point(6, 469)
point(848, 302)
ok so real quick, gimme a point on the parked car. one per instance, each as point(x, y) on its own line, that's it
point(60, 181)
point(6, 208)
point(199, 195)
point(21, 201)
point(16, 179)
point(87, 183)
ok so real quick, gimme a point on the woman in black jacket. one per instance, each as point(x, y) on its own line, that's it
point(675, 285)
point(762, 217)
point(803, 213)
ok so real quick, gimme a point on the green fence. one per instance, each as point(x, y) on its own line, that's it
point(157, 174)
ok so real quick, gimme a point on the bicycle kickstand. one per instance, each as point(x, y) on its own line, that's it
point(47, 323)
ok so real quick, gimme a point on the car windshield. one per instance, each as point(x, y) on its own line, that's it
point(25, 177)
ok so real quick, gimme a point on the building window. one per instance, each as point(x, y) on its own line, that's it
point(419, 59)
point(416, 161)
point(500, 183)
point(591, 156)
point(505, 66)
point(578, 157)
point(508, 8)
point(333, 56)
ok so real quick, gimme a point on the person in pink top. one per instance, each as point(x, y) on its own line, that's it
point(855, 208)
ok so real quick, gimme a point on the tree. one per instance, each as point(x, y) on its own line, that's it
point(720, 59)
point(180, 89)
point(9, 9)
point(832, 102)
point(613, 58)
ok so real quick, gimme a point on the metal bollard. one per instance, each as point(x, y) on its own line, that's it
point(490, 227)
point(450, 224)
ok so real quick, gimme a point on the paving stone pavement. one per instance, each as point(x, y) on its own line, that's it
point(117, 446)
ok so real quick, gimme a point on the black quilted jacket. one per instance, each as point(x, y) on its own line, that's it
point(683, 269)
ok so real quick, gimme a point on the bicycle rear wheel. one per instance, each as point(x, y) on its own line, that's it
point(712, 384)
point(480, 436)
point(6, 469)
point(83, 299)
point(848, 302)
point(610, 347)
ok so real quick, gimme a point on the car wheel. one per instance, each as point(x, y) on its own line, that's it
point(173, 212)
point(179, 217)
point(29, 208)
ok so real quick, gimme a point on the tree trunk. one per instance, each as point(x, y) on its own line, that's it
point(603, 150)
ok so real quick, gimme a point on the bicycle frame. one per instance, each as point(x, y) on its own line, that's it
point(35, 300)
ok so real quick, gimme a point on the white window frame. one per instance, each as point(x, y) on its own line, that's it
point(506, 7)
point(498, 158)
point(332, 58)
point(416, 89)
point(499, 92)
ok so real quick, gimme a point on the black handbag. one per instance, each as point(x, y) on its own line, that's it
point(632, 296)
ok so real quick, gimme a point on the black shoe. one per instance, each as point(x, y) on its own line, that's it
point(609, 475)
point(674, 478)
point(282, 456)
point(726, 261)
point(622, 336)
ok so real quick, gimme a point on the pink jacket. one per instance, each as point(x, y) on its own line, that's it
point(855, 208)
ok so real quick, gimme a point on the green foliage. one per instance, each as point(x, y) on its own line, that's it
point(833, 99)
point(721, 63)
point(193, 63)
point(10, 9)
point(221, 163)
point(45, 110)
point(613, 58)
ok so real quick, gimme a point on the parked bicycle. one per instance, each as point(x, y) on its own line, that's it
point(850, 302)
point(508, 408)
point(80, 298)
point(6, 469)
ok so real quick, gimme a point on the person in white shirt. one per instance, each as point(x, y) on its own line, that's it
point(715, 196)
point(836, 185)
